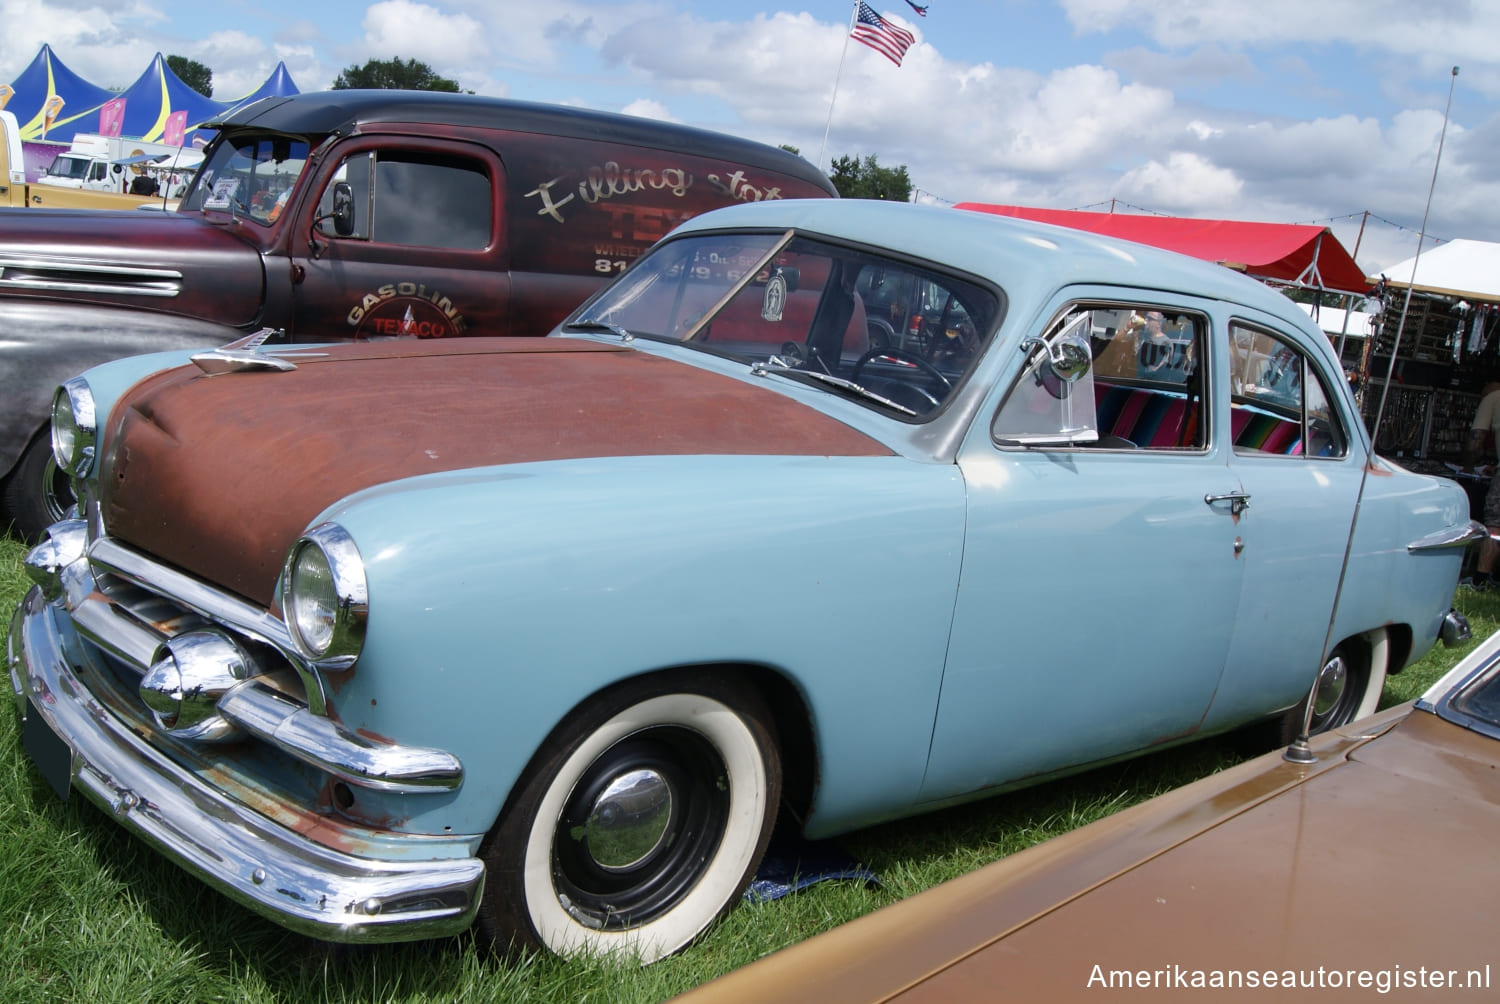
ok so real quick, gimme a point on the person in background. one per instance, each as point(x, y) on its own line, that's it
point(1486, 424)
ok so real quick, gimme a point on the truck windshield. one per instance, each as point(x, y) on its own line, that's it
point(250, 177)
point(68, 166)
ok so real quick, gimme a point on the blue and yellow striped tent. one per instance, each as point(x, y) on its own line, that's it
point(52, 103)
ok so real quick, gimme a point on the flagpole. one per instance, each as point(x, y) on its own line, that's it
point(853, 12)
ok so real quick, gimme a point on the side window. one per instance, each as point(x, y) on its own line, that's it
point(1148, 376)
point(413, 200)
point(1279, 403)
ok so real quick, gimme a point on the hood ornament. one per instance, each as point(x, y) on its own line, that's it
point(240, 356)
point(226, 360)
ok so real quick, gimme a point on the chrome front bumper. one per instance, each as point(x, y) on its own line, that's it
point(310, 887)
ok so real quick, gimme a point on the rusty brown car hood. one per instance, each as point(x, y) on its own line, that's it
point(219, 474)
point(1379, 856)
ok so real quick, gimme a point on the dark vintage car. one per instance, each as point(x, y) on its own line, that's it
point(826, 510)
point(1367, 873)
point(352, 214)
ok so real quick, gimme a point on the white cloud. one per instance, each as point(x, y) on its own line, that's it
point(1186, 182)
point(1426, 38)
point(409, 30)
point(1175, 108)
point(647, 109)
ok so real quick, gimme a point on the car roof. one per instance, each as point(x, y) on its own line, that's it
point(1008, 251)
point(322, 112)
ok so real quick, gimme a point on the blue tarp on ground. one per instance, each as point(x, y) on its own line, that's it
point(154, 96)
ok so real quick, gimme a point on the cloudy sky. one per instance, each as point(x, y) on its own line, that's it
point(1284, 110)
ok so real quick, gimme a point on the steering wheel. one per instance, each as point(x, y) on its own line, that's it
point(901, 356)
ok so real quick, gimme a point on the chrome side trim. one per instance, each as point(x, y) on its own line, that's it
point(1459, 535)
point(386, 894)
point(73, 275)
point(329, 746)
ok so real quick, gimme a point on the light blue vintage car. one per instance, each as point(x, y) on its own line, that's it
point(826, 512)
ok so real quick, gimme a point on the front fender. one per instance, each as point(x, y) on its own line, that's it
point(500, 599)
point(44, 343)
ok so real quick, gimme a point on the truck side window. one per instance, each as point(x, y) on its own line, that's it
point(414, 200)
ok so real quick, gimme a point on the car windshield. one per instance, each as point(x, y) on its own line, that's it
point(1478, 702)
point(894, 335)
point(250, 177)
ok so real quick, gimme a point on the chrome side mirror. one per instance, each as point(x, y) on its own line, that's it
point(1052, 403)
point(1067, 357)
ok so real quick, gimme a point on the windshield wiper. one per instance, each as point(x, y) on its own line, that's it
point(778, 366)
point(590, 324)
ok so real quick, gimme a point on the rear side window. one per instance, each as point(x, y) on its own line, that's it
point(413, 200)
point(1279, 403)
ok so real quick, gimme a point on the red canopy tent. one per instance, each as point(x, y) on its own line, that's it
point(1304, 254)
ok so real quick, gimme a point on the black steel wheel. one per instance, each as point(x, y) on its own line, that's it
point(639, 823)
point(37, 493)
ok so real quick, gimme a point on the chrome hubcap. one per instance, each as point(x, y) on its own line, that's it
point(57, 493)
point(1332, 682)
point(640, 827)
point(628, 820)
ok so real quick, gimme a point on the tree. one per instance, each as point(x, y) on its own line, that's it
point(866, 179)
point(193, 73)
point(394, 74)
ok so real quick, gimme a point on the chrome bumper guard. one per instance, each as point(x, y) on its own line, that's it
point(1455, 629)
point(305, 886)
point(399, 888)
point(64, 567)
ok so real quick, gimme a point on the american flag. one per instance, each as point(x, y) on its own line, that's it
point(890, 40)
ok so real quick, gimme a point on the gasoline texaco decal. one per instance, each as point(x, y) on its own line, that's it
point(406, 310)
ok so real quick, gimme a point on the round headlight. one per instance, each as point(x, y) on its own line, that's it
point(323, 597)
point(74, 430)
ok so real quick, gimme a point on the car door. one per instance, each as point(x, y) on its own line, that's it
point(1291, 452)
point(1100, 580)
point(415, 248)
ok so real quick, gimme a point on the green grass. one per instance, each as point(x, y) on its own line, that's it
point(92, 914)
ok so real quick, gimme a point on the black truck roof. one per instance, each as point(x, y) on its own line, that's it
point(320, 113)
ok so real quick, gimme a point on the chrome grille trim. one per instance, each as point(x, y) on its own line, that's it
point(189, 592)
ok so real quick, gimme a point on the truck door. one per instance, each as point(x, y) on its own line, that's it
point(402, 240)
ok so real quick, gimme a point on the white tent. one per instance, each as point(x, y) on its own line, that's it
point(1331, 320)
point(1462, 268)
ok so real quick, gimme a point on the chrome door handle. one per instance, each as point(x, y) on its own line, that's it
point(1238, 501)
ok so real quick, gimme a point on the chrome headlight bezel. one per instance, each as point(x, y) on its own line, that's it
point(75, 428)
point(325, 598)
